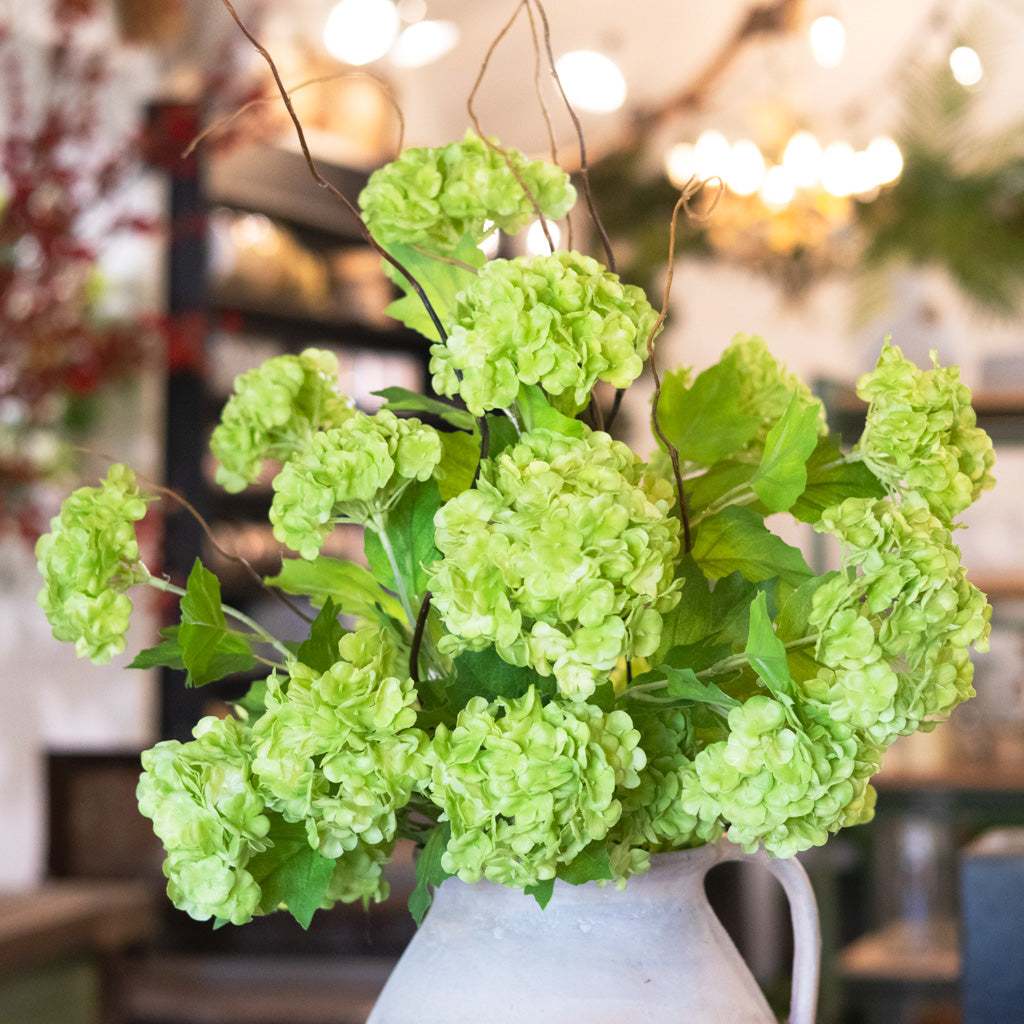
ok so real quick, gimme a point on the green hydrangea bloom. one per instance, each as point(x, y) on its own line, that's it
point(527, 785)
point(88, 560)
point(560, 558)
point(339, 750)
point(275, 409)
point(561, 321)
point(921, 434)
point(349, 473)
point(208, 813)
point(432, 197)
point(781, 779)
point(359, 875)
point(895, 626)
point(653, 815)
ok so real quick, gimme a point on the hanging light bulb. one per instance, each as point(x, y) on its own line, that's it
point(711, 155)
point(828, 40)
point(885, 158)
point(423, 42)
point(778, 188)
point(591, 81)
point(745, 169)
point(360, 31)
point(837, 169)
point(679, 163)
point(966, 66)
point(802, 159)
point(537, 242)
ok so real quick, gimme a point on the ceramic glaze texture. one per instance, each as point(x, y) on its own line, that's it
point(654, 952)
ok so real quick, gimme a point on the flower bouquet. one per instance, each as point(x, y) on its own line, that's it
point(559, 658)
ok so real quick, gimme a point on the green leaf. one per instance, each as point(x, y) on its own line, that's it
point(683, 684)
point(410, 530)
point(765, 652)
point(210, 650)
point(736, 540)
point(320, 649)
point(782, 475)
point(166, 654)
point(704, 422)
point(831, 479)
point(403, 400)
point(541, 892)
point(254, 703)
point(290, 872)
point(591, 864)
point(441, 280)
point(537, 413)
point(791, 622)
point(354, 590)
point(724, 476)
point(485, 674)
point(691, 620)
point(458, 463)
point(429, 873)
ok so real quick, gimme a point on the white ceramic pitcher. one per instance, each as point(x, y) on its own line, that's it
point(654, 952)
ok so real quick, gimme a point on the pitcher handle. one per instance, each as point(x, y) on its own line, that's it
point(803, 910)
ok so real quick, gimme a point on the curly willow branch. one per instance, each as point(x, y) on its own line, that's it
point(324, 183)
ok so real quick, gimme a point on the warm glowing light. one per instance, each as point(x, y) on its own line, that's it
point(828, 40)
point(412, 10)
point(711, 155)
point(424, 42)
point(778, 188)
point(591, 81)
point(492, 241)
point(837, 172)
point(966, 66)
point(745, 170)
point(802, 159)
point(679, 164)
point(536, 241)
point(360, 31)
point(886, 160)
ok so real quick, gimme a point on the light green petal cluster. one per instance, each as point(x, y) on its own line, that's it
point(765, 387)
point(359, 875)
point(921, 434)
point(526, 785)
point(88, 560)
point(339, 750)
point(895, 626)
point(206, 809)
point(561, 321)
point(431, 197)
point(780, 779)
point(352, 473)
point(275, 409)
point(653, 815)
point(558, 558)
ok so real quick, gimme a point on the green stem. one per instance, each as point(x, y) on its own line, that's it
point(377, 524)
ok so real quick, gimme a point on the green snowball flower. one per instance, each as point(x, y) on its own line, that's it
point(208, 813)
point(88, 560)
point(561, 321)
point(432, 197)
point(921, 434)
point(275, 410)
point(527, 785)
point(350, 473)
point(560, 558)
point(895, 625)
point(339, 750)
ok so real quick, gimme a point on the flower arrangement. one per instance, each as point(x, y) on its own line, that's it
point(559, 657)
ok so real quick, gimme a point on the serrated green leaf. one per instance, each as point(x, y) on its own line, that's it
point(166, 654)
point(782, 475)
point(320, 649)
point(831, 479)
point(210, 650)
point(591, 864)
point(541, 892)
point(705, 422)
point(727, 475)
point(485, 674)
point(290, 872)
point(765, 652)
point(429, 872)
point(354, 589)
point(410, 530)
point(538, 413)
point(690, 621)
point(402, 400)
point(737, 540)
